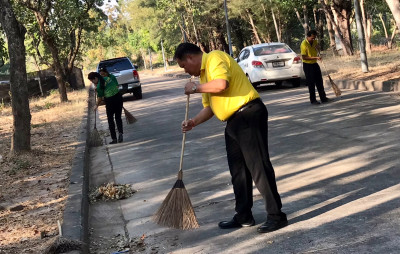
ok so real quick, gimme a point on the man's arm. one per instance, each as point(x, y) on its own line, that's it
point(214, 86)
point(310, 57)
point(204, 115)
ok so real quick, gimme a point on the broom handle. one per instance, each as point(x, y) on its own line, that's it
point(180, 175)
point(95, 102)
point(323, 63)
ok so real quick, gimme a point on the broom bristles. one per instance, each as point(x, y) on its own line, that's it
point(177, 211)
point(95, 138)
point(130, 119)
point(335, 88)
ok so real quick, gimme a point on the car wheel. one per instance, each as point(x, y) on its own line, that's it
point(296, 82)
point(255, 84)
point(278, 83)
point(137, 92)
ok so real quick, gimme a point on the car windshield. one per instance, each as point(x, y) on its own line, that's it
point(271, 49)
point(116, 65)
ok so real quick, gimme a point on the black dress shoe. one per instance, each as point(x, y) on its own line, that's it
point(120, 138)
point(234, 224)
point(326, 100)
point(114, 141)
point(272, 225)
point(315, 103)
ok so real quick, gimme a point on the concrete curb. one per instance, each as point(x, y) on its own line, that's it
point(392, 85)
point(75, 225)
point(369, 85)
point(177, 75)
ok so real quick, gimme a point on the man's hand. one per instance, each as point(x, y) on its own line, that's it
point(189, 88)
point(187, 125)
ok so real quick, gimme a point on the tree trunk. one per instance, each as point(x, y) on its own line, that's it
point(394, 6)
point(331, 33)
point(319, 26)
point(345, 44)
point(219, 36)
point(342, 11)
point(15, 32)
point(302, 22)
point(388, 42)
point(58, 70)
point(267, 38)
point(278, 34)
point(367, 30)
point(253, 27)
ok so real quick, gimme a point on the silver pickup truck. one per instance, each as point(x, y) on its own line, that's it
point(126, 74)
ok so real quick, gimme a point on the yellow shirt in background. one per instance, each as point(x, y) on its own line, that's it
point(309, 50)
point(219, 65)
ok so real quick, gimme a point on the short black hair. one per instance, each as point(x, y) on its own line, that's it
point(312, 32)
point(185, 49)
point(94, 75)
point(104, 69)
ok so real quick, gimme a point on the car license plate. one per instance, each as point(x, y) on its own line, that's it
point(278, 64)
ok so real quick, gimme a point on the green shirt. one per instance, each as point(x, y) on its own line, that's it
point(309, 50)
point(110, 89)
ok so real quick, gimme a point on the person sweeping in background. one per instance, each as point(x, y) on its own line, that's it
point(107, 89)
point(309, 54)
point(228, 94)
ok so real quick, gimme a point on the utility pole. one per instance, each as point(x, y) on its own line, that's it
point(361, 37)
point(163, 56)
point(151, 62)
point(228, 29)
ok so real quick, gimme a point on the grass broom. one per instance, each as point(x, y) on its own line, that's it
point(95, 138)
point(130, 119)
point(177, 211)
point(335, 88)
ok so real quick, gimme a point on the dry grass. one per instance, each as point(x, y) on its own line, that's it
point(35, 184)
point(383, 64)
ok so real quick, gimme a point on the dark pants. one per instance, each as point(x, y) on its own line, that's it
point(246, 137)
point(114, 108)
point(314, 78)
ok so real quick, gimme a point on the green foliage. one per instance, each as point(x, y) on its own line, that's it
point(140, 25)
point(53, 92)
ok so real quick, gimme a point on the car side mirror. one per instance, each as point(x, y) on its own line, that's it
point(237, 60)
point(136, 67)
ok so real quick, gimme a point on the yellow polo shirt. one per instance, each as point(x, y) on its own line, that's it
point(309, 50)
point(219, 65)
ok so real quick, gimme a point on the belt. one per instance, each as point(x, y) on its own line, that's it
point(244, 107)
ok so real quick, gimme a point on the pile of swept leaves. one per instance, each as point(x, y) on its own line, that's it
point(111, 191)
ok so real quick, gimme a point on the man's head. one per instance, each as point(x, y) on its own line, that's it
point(311, 36)
point(189, 56)
point(93, 77)
point(103, 72)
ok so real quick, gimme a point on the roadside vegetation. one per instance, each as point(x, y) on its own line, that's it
point(34, 186)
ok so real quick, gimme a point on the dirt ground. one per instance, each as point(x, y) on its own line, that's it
point(33, 186)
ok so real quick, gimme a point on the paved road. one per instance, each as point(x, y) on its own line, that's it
point(337, 167)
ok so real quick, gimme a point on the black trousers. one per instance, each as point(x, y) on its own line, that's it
point(246, 138)
point(114, 109)
point(314, 78)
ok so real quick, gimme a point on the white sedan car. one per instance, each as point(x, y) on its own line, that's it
point(271, 63)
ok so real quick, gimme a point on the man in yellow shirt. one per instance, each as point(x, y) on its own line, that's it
point(309, 53)
point(228, 94)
